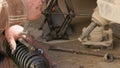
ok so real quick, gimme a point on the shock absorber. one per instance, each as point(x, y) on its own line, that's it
point(24, 58)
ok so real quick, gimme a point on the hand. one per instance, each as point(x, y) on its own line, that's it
point(13, 33)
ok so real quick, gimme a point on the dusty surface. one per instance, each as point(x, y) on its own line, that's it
point(70, 60)
point(67, 60)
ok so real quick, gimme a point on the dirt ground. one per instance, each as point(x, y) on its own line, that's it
point(72, 60)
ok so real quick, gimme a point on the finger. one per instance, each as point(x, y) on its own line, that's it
point(12, 34)
point(22, 36)
point(12, 43)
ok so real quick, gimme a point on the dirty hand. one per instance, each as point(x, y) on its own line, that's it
point(13, 33)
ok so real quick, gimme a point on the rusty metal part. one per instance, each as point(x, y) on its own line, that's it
point(57, 24)
point(25, 58)
point(30, 47)
point(82, 14)
point(88, 30)
point(109, 57)
point(99, 37)
point(95, 35)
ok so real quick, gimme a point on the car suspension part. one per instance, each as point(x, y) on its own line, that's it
point(25, 58)
point(97, 36)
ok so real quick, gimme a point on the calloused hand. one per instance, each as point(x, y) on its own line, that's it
point(13, 33)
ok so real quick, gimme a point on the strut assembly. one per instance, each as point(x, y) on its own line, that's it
point(24, 58)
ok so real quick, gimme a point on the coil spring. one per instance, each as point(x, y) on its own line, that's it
point(23, 58)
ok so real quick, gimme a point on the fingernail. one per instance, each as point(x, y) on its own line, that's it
point(13, 51)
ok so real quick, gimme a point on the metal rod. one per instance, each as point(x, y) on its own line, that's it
point(82, 14)
point(88, 31)
point(85, 52)
point(107, 56)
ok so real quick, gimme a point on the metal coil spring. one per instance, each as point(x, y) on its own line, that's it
point(25, 58)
